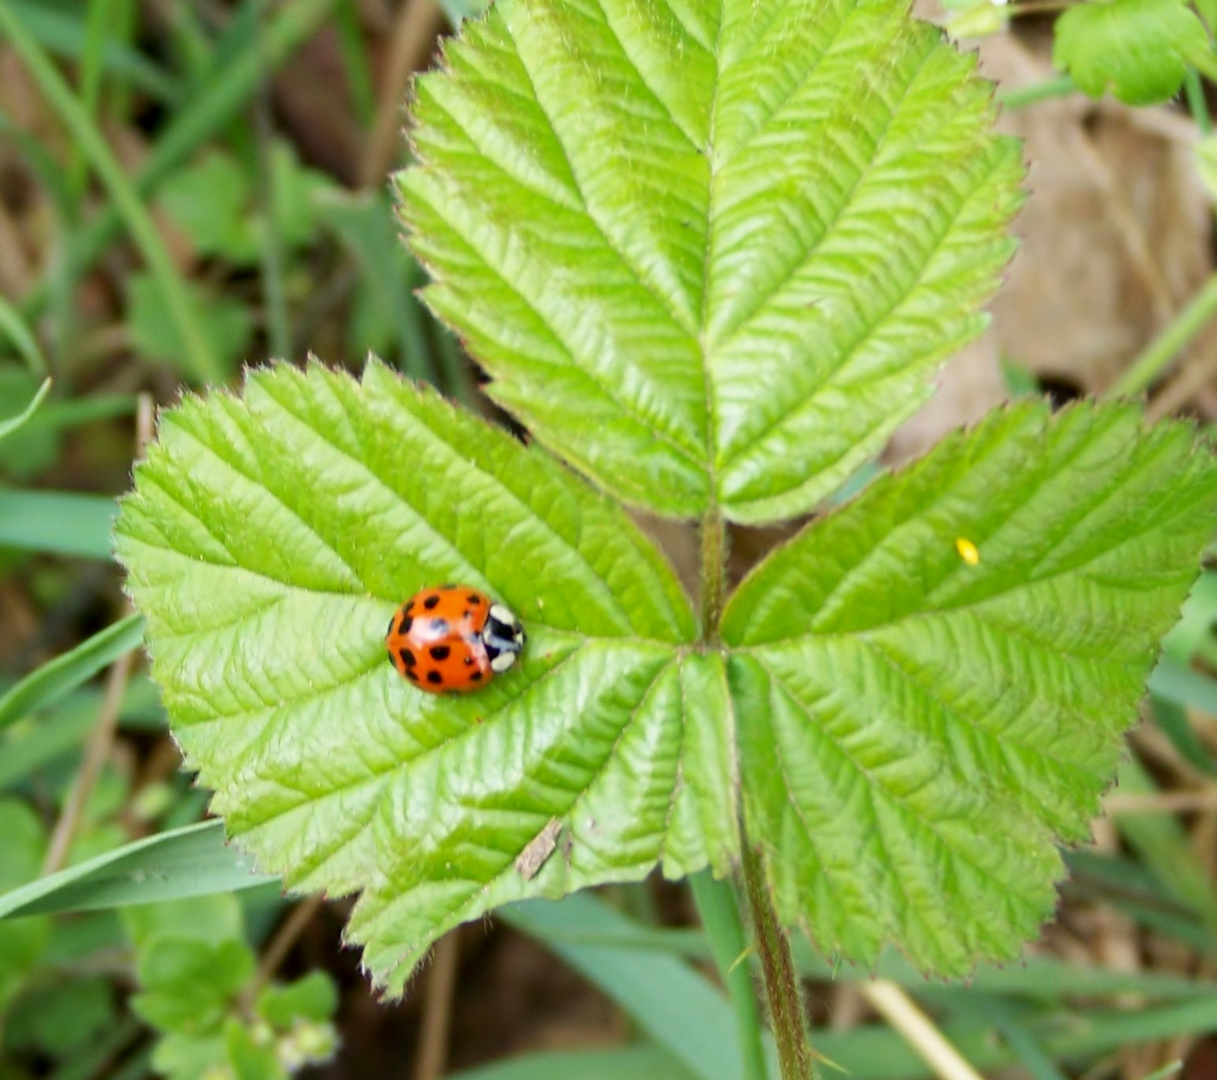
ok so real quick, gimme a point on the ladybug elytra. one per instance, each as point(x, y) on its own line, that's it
point(452, 638)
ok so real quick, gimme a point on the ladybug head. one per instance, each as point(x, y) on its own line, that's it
point(503, 637)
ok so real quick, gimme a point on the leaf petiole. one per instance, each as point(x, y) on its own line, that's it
point(782, 987)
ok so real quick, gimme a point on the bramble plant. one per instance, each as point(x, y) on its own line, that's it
point(711, 256)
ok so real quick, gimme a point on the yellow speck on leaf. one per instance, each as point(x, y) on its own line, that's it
point(968, 551)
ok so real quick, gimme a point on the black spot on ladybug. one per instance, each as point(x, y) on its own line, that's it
point(391, 622)
point(439, 652)
point(434, 677)
point(431, 601)
point(412, 674)
point(473, 598)
point(469, 662)
point(406, 623)
point(466, 613)
point(476, 676)
point(408, 608)
point(439, 627)
point(408, 658)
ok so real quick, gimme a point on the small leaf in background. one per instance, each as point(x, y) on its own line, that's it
point(922, 731)
point(225, 321)
point(209, 201)
point(179, 1056)
point(58, 1021)
point(1137, 49)
point(312, 997)
point(271, 536)
point(712, 255)
point(188, 984)
point(249, 1057)
point(977, 20)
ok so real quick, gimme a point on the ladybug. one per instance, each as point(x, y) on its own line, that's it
point(453, 638)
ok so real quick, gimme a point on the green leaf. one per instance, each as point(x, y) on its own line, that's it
point(59, 676)
point(1139, 49)
point(269, 540)
point(920, 730)
point(710, 254)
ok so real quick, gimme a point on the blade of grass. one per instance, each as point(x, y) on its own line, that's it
point(57, 522)
point(7, 427)
point(270, 195)
point(65, 36)
point(213, 104)
point(624, 1063)
point(1024, 1045)
point(1161, 352)
point(1181, 685)
point(199, 356)
point(19, 333)
point(872, 1052)
point(68, 414)
point(100, 16)
point(55, 678)
point(667, 999)
point(193, 861)
point(1162, 845)
point(719, 910)
point(355, 62)
point(358, 223)
point(28, 748)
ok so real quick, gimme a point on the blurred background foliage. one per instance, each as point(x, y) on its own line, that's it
point(187, 186)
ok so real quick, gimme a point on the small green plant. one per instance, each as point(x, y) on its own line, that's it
point(711, 257)
point(201, 991)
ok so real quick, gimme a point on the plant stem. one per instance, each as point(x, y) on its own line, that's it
point(720, 916)
point(1163, 349)
point(1022, 96)
point(782, 987)
point(713, 572)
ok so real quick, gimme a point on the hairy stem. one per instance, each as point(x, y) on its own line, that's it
point(713, 572)
point(782, 988)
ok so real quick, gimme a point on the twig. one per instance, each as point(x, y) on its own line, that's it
point(102, 738)
point(280, 945)
point(95, 757)
point(418, 24)
point(437, 1009)
point(918, 1030)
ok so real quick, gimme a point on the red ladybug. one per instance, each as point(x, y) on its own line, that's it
point(453, 638)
